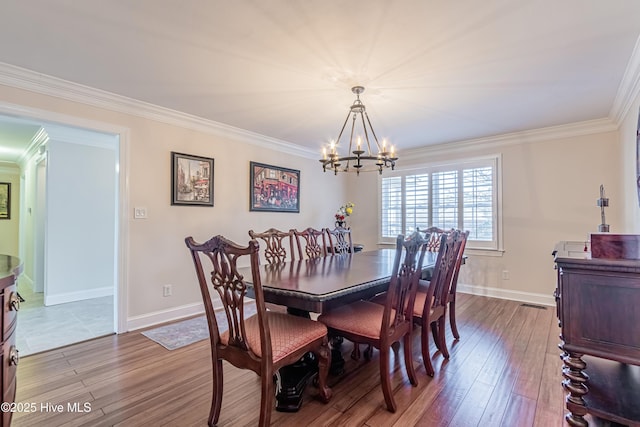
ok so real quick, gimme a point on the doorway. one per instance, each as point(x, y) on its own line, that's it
point(68, 300)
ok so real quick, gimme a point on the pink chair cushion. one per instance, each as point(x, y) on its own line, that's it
point(363, 318)
point(288, 333)
point(418, 308)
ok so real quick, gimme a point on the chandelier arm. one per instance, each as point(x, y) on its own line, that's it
point(366, 133)
point(350, 152)
point(373, 132)
point(343, 126)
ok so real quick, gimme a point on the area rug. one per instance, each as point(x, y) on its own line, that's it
point(189, 331)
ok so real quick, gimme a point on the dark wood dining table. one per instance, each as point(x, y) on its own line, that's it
point(315, 286)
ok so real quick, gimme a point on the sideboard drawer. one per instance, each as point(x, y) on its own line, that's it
point(11, 304)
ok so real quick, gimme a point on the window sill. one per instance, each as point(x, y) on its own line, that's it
point(484, 252)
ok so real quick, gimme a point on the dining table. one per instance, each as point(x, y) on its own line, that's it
point(320, 284)
point(316, 286)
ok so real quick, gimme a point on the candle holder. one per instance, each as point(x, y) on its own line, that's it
point(603, 202)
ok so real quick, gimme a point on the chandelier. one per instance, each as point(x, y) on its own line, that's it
point(360, 157)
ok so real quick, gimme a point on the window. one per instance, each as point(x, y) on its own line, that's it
point(463, 195)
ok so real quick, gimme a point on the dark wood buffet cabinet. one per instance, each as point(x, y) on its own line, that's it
point(10, 269)
point(598, 307)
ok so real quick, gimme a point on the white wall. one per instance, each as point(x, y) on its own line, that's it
point(629, 160)
point(80, 231)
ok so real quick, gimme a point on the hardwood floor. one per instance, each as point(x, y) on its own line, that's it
point(504, 371)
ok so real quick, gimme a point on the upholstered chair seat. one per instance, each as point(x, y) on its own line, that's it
point(288, 334)
point(362, 318)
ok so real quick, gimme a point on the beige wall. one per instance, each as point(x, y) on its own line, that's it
point(9, 227)
point(549, 194)
point(550, 187)
point(156, 251)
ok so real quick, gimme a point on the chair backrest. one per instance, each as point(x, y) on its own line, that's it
point(275, 242)
point(440, 283)
point(404, 282)
point(313, 241)
point(216, 263)
point(340, 240)
point(459, 256)
point(433, 234)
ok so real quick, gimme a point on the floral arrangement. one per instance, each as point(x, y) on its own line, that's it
point(343, 212)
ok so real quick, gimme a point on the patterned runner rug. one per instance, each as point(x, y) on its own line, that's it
point(187, 332)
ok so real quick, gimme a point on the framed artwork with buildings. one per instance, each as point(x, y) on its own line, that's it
point(5, 200)
point(191, 180)
point(274, 188)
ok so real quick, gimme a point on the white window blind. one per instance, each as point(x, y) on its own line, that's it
point(461, 196)
point(416, 201)
point(391, 196)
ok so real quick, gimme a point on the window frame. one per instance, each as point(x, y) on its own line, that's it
point(494, 161)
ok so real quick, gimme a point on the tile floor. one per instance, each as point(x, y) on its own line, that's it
point(43, 328)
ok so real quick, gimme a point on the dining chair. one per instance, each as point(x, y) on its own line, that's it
point(339, 240)
point(313, 241)
point(275, 241)
point(264, 342)
point(434, 234)
point(381, 326)
point(432, 296)
point(451, 298)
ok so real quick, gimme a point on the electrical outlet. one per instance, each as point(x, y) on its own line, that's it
point(140, 213)
point(505, 274)
point(166, 291)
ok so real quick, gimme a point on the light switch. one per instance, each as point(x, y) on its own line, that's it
point(140, 213)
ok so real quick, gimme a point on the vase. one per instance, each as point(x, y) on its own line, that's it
point(341, 224)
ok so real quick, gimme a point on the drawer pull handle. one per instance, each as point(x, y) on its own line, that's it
point(14, 302)
point(13, 356)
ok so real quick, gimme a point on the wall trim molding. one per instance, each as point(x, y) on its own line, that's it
point(168, 315)
point(527, 297)
point(570, 130)
point(629, 87)
point(78, 295)
point(22, 78)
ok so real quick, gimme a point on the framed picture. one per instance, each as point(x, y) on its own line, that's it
point(192, 180)
point(5, 200)
point(274, 189)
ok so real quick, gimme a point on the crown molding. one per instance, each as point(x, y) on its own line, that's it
point(570, 130)
point(629, 88)
point(22, 78)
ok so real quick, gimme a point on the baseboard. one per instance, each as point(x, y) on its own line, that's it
point(77, 296)
point(168, 315)
point(26, 280)
point(528, 297)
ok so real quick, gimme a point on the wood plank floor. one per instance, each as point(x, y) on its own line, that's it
point(504, 371)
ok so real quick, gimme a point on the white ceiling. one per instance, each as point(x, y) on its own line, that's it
point(435, 71)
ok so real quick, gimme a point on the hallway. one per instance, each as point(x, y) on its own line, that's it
point(43, 328)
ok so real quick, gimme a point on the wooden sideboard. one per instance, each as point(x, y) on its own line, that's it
point(10, 269)
point(598, 306)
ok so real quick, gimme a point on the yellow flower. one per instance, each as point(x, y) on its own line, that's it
point(349, 211)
